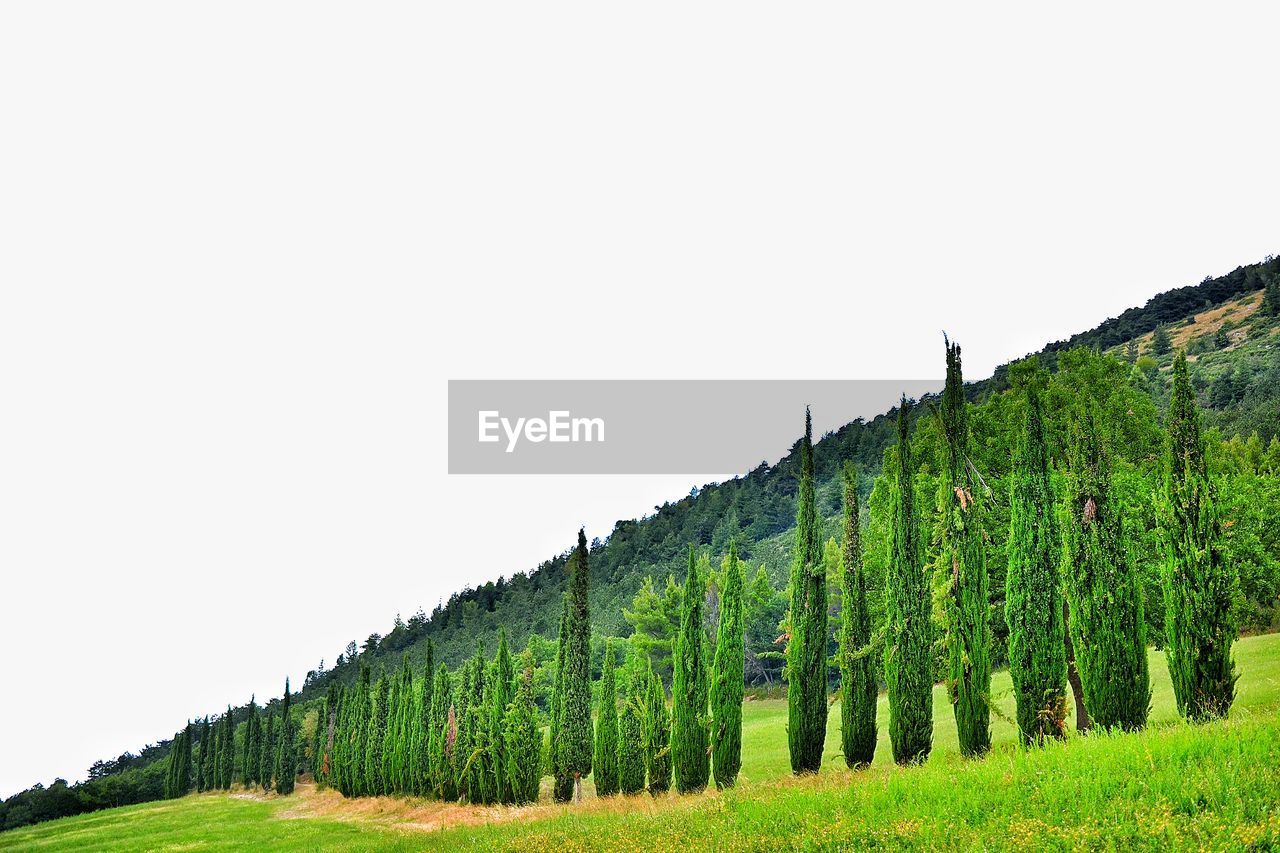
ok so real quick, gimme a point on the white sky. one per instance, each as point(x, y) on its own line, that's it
point(244, 245)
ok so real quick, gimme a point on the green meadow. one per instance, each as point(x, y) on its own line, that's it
point(1173, 786)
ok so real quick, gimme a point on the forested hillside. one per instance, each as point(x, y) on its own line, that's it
point(1230, 328)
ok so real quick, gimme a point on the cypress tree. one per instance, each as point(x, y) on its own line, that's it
point(227, 751)
point(376, 733)
point(690, 741)
point(962, 572)
point(631, 724)
point(1108, 631)
point(909, 637)
point(266, 757)
point(251, 735)
point(391, 737)
point(807, 647)
point(522, 739)
point(216, 742)
point(502, 686)
point(858, 690)
point(1200, 583)
point(204, 767)
point(563, 787)
point(1033, 587)
point(178, 777)
point(475, 728)
point(419, 748)
point(605, 763)
point(439, 745)
point(729, 675)
point(657, 736)
point(287, 761)
point(575, 725)
point(356, 742)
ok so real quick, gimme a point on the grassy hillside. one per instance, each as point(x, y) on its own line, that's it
point(1173, 786)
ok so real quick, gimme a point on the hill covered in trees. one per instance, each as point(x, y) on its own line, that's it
point(1228, 326)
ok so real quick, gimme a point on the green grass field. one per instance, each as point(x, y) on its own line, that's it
point(1173, 786)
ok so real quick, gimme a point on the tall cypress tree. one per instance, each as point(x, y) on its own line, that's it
point(1108, 631)
point(439, 745)
point(657, 736)
point(605, 764)
point(501, 694)
point(204, 769)
point(1200, 583)
point(251, 735)
point(475, 727)
point(419, 747)
point(690, 738)
point(391, 738)
point(962, 572)
point(267, 754)
point(562, 789)
point(1033, 587)
point(522, 739)
point(909, 638)
point(287, 761)
point(374, 737)
point(575, 725)
point(631, 723)
point(858, 690)
point(807, 647)
point(728, 678)
point(227, 751)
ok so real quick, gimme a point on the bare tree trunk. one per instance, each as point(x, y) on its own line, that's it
point(1073, 675)
point(577, 787)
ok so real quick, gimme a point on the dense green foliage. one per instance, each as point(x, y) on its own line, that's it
point(807, 644)
point(1033, 597)
point(858, 682)
point(690, 741)
point(575, 725)
point(1107, 626)
point(909, 630)
point(605, 763)
point(1200, 585)
point(657, 736)
point(286, 755)
point(727, 676)
point(523, 738)
point(631, 768)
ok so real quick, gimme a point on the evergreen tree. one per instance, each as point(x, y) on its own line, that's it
point(475, 728)
point(962, 572)
point(267, 755)
point(1108, 631)
point(391, 738)
point(326, 730)
point(502, 691)
point(420, 735)
point(439, 746)
point(575, 724)
point(227, 751)
point(605, 764)
point(1033, 587)
point(287, 760)
point(727, 681)
point(1271, 298)
point(909, 638)
point(631, 723)
point(1161, 343)
point(858, 690)
point(204, 769)
point(807, 646)
point(251, 746)
point(690, 741)
point(375, 736)
point(562, 790)
point(522, 739)
point(657, 736)
point(1200, 583)
point(178, 776)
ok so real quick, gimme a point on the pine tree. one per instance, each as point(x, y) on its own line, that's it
point(266, 757)
point(807, 646)
point(858, 689)
point(605, 763)
point(690, 741)
point(657, 736)
point(522, 739)
point(287, 760)
point(1200, 583)
point(1108, 631)
point(575, 724)
point(374, 737)
point(439, 746)
point(631, 723)
point(227, 751)
point(728, 676)
point(909, 639)
point(961, 571)
point(502, 691)
point(1033, 587)
point(562, 790)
